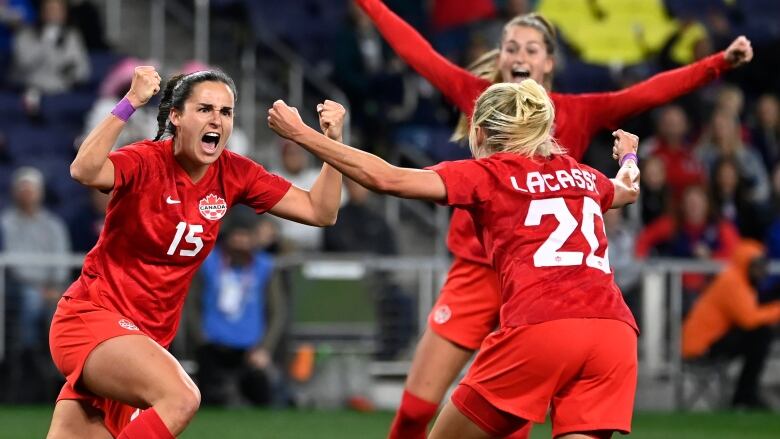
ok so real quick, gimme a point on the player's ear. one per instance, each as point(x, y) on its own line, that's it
point(174, 117)
point(481, 136)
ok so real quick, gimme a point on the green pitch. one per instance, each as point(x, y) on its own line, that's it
point(32, 422)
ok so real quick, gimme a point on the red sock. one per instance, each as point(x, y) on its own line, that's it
point(147, 425)
point(412, 418)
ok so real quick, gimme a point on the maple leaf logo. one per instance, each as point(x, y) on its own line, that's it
point(212, 207)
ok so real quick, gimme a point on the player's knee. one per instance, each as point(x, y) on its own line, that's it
point(182, 404)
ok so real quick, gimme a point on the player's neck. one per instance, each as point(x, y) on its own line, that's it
point(194, 170)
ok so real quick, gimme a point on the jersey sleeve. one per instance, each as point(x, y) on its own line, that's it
point(459, 85)
point(261, 189)
point(606, 190)
point(607, 110)
point(468, 182)
point(132, 163)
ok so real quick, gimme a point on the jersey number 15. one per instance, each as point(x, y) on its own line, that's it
point(190, 238)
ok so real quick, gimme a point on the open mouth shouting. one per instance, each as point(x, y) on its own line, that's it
point(210, 142)
point(520, 73)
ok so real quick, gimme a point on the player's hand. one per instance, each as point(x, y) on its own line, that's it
point(625, 143)
point(285, 120)
point(146, 83)
point(739, 52)
point(331, 118)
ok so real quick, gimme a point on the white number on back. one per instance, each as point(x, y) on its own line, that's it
point(549, 254)
point(190, 238)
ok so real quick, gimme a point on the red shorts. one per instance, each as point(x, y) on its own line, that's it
point(77, 328)
point(585, 370)
point(468, 307)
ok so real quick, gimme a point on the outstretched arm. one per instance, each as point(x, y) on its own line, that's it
point(91, 166)
point(459, 86)
point(626, 181)
point(319, 205)
point(367, 169)
point(613, 107)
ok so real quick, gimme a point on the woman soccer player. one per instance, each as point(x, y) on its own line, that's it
point(566, 339)
point(111, 329)
point(466, 311)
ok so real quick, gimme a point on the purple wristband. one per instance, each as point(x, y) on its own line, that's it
point(628, 156)
point(123, 110)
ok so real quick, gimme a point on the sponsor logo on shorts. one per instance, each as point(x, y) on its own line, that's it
point(127, 324)
point(212, 207)
point(442, 314)
point(135, 414)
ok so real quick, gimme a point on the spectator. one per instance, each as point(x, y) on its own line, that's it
point(655, 195)
point(27, 227)
point(765, 133)
point(86, 18)
point(49, 57)
point(13, 15)
point(266, 237)
point(360, 229)
point(297, 169)
point(693, 230)
point(727, 320)
point(86, 225)
point(773, 235)
point(670, 144)
point(732, 200)
point(621, 235)
point(722, 140)
point(242, 318)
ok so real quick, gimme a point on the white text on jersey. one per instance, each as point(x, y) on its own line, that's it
point(536, 182)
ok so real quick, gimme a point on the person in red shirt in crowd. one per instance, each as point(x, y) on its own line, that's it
point(671, 146)
point(112, 327)
point(566, 338)
point(694, 230)
point(467, 308)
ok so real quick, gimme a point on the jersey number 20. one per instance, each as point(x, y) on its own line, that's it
point(190, 238)
point(549, 254)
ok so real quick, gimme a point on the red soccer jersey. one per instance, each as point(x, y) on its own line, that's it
point(159, 228)
point(542, 228)
point(578, 117)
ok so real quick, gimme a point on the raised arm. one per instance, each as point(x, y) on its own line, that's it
point(91, 166)
point(613, 107)
point(366, 169)
point(459, 86)
point(319, 205)
point(626, 181)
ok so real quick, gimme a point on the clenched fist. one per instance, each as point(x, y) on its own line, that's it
point(331, 118)
point(625, 143)
point(739, 52)
point(285, 120)
point(146, 83)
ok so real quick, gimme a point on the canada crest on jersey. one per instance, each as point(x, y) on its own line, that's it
point(212, 207)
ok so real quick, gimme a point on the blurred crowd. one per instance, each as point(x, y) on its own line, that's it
point(710, 161)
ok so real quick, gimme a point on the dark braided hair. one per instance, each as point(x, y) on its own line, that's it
point(179, 89)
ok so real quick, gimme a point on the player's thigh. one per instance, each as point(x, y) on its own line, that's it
point(135, 370)
point(73, 419)
point(452, 424)
point(436, 364)
point(601, 396)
